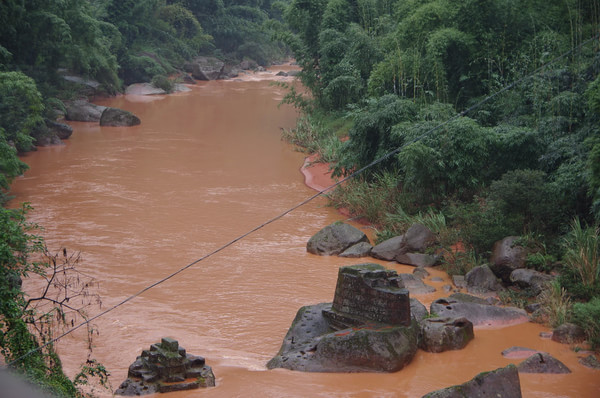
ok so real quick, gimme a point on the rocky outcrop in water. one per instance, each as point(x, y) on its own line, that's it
point(116, 117)
point(368, 327)
point(499, 383)
point(542, 362)
point(405, 249)
point(83, 111)
point(335, 239)
point(444, 334)
point(477, 311)
point(166, 367)
point(568, 333)
point(205, 68)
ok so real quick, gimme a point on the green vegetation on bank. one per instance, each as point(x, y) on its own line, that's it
point(115, 43)
point(399, 74)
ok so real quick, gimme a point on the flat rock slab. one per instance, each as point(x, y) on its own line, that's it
point(479, 314)
point(415, 285)
point(499, 383)
point(542, 363)
point(335, 239)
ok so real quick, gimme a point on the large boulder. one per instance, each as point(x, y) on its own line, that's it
point(335, 239)
point(443, 334)
point(83, 111)
point(418, 238)
point(481, 280)
point(477, 312)
point(530, 279)
point(144, 89)
point(118, 117)
point(389, 249)
point(499, 383)
point(506, 257)
point(312, 346)
point(205, 68)
point(542, 362)
point(568, 333)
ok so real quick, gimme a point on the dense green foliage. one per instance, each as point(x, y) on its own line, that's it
point(486, 114)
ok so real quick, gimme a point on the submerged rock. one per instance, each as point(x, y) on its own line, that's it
point(335, 239)
point(479, 313)
point(166, 367)
point(542, 362)
point(568, 333)
point(499, 383)
point(118, 117)
point(443, 334)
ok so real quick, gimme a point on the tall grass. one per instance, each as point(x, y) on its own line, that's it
point(555, 303)
point(582, 252)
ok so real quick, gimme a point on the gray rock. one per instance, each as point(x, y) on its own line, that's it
point(417, 259)
point(590, 362)
point(420, 273)
point(312, 346)
point(568, 333)
point(530, 279)
point(482, 280)
point(281, 73)
point(118, 117)
point(415, 285)
point(444, 334)
point(293, 72)
point(361, 249)
point(205, 68)
point(144, 89)
point(389, 249)
point(542, 362)
point(459, 281)
point(335, 239)
point(506, 257)
point(83, 111)
point(62, 131)
point(499, 383)
point(418, 238)
point(478, 314)
point(417, 310)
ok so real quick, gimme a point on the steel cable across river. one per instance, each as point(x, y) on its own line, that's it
point(204, 167)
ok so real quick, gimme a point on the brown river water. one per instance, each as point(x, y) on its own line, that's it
point(203, 168)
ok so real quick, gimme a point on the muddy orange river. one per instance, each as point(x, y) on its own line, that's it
point(204, 167)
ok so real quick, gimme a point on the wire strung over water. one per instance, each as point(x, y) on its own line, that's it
point(310, 198)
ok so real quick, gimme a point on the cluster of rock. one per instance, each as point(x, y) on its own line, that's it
point(344, 240)
point(84, 111)
point(369, 327)
point(166, 367)
point(211, 68)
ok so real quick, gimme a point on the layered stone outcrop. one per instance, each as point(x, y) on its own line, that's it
point(368, 327)
point(478, 311)
point(166, 367)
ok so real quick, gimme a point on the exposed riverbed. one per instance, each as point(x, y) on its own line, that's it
point(203, 168)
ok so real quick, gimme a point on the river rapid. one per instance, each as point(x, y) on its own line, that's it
point(203, 168)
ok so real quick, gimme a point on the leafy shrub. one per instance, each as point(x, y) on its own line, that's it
point(163, 82)
point(587, 315)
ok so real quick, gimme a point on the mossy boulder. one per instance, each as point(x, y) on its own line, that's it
point(335, 239)
point(499, 383)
